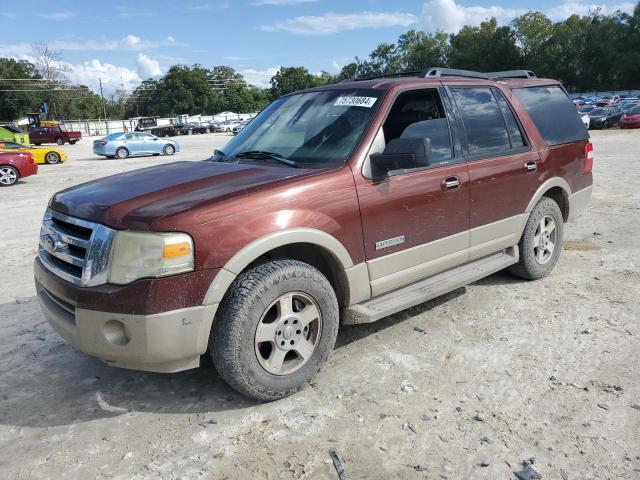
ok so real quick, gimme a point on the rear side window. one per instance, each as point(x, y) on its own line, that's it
point(483, 121)
point(553, 113)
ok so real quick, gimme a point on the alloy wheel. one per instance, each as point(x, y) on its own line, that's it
point(288, 333)
point(544, 240)
point(8, 176)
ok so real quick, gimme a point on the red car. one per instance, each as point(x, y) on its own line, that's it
point(631, 118)
point(14, 166)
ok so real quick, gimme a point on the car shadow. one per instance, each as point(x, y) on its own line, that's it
point(45, 382)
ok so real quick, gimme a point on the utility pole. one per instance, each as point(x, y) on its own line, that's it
point(104, 107)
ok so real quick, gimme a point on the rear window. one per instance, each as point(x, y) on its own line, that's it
point(553, 113)
point(634, 111)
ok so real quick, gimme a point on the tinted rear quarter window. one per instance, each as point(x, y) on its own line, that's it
point(553, 113)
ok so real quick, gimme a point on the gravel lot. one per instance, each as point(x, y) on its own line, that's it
point(505, 370)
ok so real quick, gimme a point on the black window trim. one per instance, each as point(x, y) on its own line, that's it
point(456, 157)
point(463, 133)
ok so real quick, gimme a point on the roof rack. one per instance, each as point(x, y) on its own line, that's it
point(437, 72)
point(386, 75)
point(511, 74)
point(451, 72)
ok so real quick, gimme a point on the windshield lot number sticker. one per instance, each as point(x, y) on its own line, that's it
point(366, 102)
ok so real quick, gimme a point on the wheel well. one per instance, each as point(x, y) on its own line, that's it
point(317, 257)
point(559, 195)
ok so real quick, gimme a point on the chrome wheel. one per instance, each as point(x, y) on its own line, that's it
point(169, 150)
point(52, 158)
point(122, 153)
point(288, 333)
point(8, 176)
point(544, 240)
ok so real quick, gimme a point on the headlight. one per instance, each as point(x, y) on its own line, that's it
point(137, 255)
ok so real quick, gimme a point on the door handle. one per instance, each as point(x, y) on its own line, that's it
point(450, 183)
point(531, 166)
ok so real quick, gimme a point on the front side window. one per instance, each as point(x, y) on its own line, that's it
point(483, 121)
point(313, 129)
point(420, 114)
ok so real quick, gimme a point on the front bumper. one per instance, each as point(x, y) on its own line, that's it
point(169, 341)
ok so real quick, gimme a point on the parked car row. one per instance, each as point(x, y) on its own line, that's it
point(607, 111)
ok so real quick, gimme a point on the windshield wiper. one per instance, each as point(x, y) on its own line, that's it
point(262, 155)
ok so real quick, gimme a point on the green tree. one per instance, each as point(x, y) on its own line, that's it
point(290, 79)
point(484, 48)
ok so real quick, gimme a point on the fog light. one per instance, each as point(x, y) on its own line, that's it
point(116, 332)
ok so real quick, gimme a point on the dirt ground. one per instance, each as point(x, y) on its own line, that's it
point(505, 371)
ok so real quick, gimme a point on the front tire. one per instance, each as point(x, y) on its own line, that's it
point(72, 142)
point(52, 158)
point(274, 329)
point(8, 176)
point(122, 153)
point(168, 150)
point(541, 242)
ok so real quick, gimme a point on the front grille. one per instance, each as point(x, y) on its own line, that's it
point(74, 249)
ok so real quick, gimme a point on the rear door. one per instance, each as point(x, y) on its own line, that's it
point(415, 222)
point(36, 135)
point(503, 168)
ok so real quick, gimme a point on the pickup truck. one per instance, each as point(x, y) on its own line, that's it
point(150, 125)
point(53, 134)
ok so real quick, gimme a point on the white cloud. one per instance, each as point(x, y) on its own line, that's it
point(578, 8)
point(333, 23)
point(8, 15)
point(259, 78)
point(66, 15)
point(148, 67)
point(281, 2)
point(207, 7)
point(128, 12)
point(113, 77)
point(129, 42)
point(449, 16)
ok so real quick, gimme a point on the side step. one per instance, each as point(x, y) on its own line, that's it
point(429, 288)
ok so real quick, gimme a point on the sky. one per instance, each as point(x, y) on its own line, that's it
point(124, 42)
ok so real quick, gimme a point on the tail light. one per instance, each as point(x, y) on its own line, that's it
point(588, 157)
point(103, 142)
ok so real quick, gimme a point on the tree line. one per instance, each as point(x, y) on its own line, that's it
point(592, 52)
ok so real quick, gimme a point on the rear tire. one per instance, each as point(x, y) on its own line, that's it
point(541, 242)
point(169, 150)
point(52, 158)
point(122, 153)
point(272, 312)
point(8, 176)
point(72, 142)
point(60, 141)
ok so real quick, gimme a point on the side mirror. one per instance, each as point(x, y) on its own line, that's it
point(402, 153)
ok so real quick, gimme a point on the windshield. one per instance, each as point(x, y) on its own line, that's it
point(597, 112)
point(634, 111)
point(314, 129)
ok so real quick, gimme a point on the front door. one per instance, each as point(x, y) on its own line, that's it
point(415, 222)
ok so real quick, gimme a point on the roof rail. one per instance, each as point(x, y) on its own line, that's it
point(385, 75)
point(451, 72)
point(511, 74)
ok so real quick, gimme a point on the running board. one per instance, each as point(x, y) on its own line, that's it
point(429, 288)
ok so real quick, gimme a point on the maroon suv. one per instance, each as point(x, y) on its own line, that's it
point(339, 204)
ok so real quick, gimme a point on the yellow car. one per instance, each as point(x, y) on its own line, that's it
point(40, 155)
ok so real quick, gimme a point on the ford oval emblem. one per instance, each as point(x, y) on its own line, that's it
point(54, 243)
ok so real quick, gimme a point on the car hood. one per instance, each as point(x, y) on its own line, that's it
point(134, 200)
